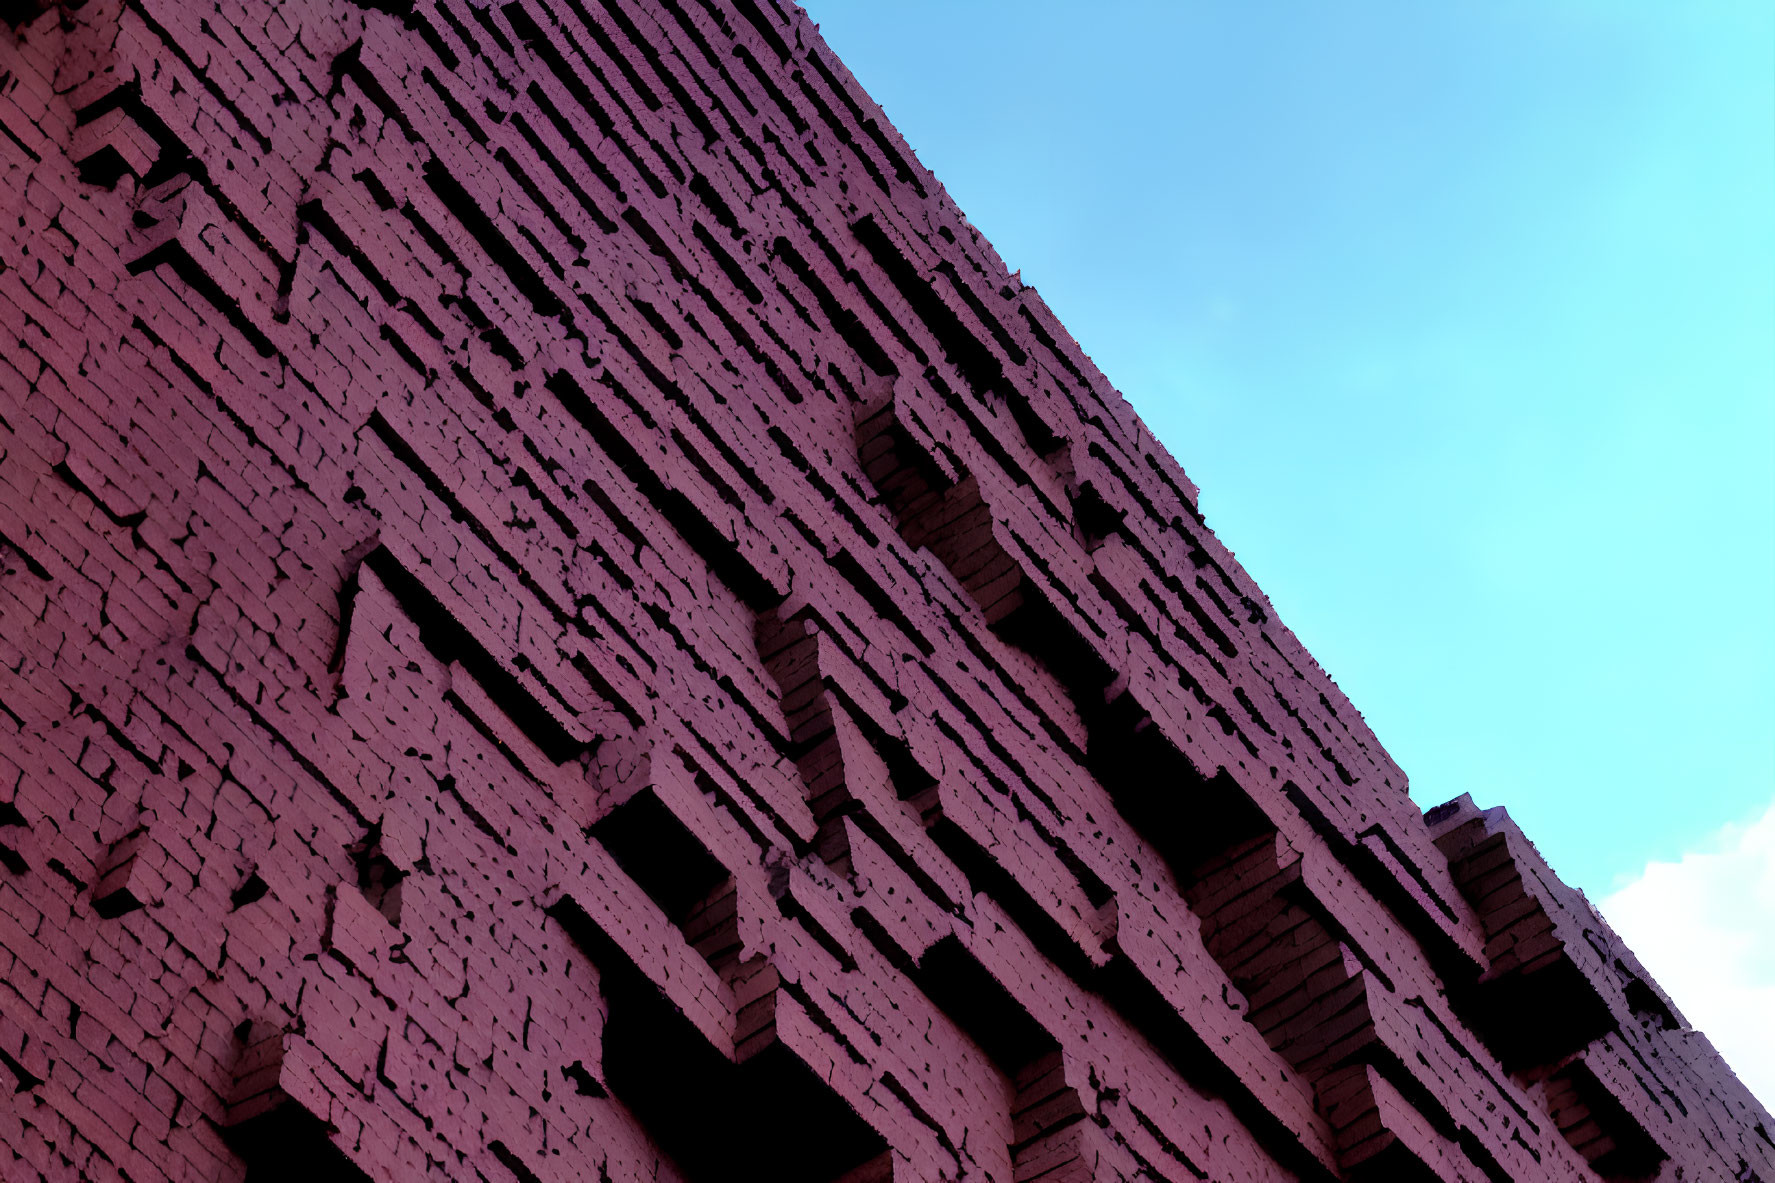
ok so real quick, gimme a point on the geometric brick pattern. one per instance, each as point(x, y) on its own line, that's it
point(563, 617)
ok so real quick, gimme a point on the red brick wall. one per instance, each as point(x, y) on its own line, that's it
point(562, 617)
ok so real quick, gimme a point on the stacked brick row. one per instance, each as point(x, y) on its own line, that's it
point(562, 616)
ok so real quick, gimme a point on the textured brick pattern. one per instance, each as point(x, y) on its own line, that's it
point(562, 617)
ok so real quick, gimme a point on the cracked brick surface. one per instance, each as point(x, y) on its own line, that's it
point(563, 617)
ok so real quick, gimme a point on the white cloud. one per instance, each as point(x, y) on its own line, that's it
point(1705, 928)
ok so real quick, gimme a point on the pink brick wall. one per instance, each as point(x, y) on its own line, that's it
point(562, 617)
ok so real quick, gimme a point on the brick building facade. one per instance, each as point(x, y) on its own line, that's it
point(562, 617)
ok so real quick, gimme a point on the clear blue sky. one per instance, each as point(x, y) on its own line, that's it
point(1462, 314)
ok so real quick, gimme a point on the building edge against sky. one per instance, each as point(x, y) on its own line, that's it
point(1458, 314)
point(1425, 297)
